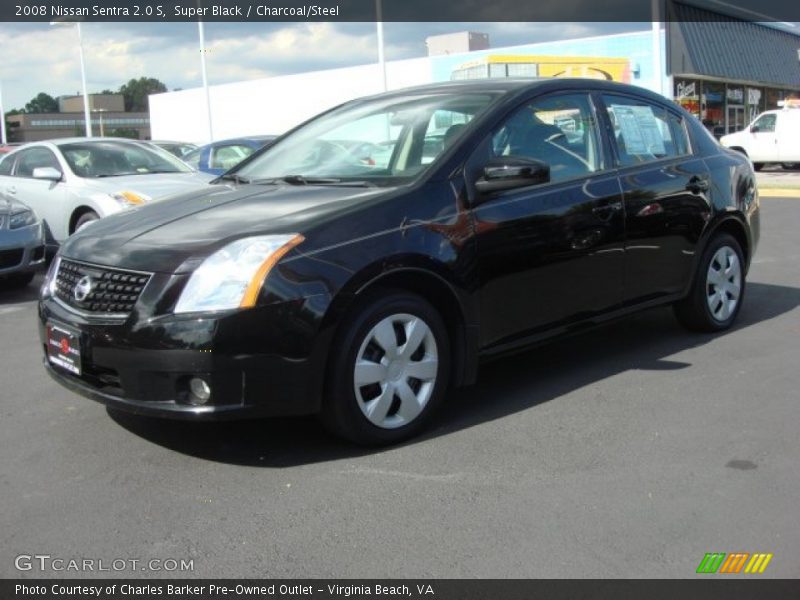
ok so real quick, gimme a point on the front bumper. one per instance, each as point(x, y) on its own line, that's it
point(265, 361)
point(21, 250)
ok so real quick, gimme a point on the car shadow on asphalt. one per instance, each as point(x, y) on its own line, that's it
point(512, 384)
point(15, 295)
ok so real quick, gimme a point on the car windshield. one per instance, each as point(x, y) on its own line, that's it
point(113, 159)
point(385, 141)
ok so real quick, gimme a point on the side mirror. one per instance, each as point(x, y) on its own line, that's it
point(754, 129)
point(48, 173)
point(510, 172)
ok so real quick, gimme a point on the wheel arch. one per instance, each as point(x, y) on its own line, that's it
point(77, 214)
point(437, 291)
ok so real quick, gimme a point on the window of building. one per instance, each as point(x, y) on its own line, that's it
point(687, 95)
point(712, 107)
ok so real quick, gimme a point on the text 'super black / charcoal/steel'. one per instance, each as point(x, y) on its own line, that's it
point(367, 261)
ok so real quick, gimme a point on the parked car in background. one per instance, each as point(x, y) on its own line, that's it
point(22, 244)
point(773, 137)
point(316, 282)
point(179, 149)
point(218, 157)
point(6, 148)
point(73, 181)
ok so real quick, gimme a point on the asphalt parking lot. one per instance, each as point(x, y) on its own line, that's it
point(629, 451)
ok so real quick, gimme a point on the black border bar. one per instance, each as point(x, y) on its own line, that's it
point(392, 10)
point(701, 588)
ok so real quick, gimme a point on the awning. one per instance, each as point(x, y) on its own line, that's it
point(705, 43)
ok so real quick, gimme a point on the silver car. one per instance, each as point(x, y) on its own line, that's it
point(22, 248)
point(73, 181)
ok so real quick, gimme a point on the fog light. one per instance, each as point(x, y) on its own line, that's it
point(200, 391)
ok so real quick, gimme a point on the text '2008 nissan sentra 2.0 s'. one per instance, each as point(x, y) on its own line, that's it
point(366, 262)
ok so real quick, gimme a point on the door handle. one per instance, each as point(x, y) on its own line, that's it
point(11, 190)
point(606, 211)
point(697, 184)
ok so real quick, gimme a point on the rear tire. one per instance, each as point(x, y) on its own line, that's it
point(718, 288)
point(758, 166)
point(389, 370)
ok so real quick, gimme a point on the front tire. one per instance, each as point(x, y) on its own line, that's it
point(758, 165)
point(718, 288)
point(88, 217)
point(389, 370)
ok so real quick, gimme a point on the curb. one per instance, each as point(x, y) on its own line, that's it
point(779, 192)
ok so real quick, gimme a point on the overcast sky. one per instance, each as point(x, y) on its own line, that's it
point(43, 58)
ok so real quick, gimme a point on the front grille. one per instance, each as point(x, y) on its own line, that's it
point(10, 258)
point(103, 290)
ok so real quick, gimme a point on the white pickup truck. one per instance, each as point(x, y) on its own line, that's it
point(773, 137)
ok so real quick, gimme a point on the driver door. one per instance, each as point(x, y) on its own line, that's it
point(552, 253)
point(763, 145)
point(45, 197)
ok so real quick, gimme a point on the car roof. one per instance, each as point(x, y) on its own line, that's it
point(511, 86)
point(81, 140)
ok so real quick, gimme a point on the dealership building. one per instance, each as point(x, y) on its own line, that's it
point(723, 69)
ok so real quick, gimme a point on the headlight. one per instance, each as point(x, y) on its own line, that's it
point(49, 283)
point(128, 199)
point(232, 277)
point(22, 218)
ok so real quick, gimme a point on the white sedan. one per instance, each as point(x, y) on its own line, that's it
point(73, 181)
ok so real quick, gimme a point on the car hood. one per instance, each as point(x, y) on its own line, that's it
point(173, 235)
point(154, 186)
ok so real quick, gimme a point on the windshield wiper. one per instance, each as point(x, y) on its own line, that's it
point(233, 177)
point(303, 180)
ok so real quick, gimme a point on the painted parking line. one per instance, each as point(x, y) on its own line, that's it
point(779, 193)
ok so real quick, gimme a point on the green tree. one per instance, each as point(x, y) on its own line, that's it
point(137, 90)
point(124, 132)
point(42, 103)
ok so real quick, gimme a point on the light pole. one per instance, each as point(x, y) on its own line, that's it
point(201, 34)
point(86, 110)
point(381, 55)
point(3, 139)
point(101, 111)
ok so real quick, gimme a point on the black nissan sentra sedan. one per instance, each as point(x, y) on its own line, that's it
point(475, 218)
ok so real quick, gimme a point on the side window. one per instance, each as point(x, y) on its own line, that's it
point(559, 130)
point(642, 131)
point(227, 157)
point(444, 127)
point(33, 158)
point(765, 123)
point(193, 159)
point(679, 135)
point(6, 164)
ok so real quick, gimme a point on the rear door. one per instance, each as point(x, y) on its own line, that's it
point(552, 253)
point(666, 193)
